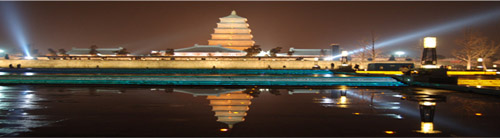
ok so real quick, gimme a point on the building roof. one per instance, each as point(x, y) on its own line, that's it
point(233, 15)
point(84, 51)
point(206, 48)
point(309, 51)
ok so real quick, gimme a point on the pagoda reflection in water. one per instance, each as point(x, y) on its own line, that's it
point(230, 108)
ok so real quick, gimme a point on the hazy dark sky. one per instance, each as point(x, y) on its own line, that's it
point(145, 26)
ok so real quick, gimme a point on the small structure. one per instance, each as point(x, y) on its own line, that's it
point(101, 51)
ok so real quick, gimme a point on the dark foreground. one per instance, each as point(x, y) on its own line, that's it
point(36, 110)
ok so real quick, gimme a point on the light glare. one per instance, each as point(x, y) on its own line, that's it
point(430, 42)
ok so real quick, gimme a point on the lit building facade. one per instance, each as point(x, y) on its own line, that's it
point(232, 32)
point(101, 51)
point(202, 51)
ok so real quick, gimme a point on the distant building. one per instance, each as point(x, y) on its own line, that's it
point(86, 51)
point(202, 50)
point(232, 32)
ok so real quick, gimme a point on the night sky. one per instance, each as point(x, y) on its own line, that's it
point(144, 26)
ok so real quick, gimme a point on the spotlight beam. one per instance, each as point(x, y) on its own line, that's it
point(433, 30)
point(11, 18)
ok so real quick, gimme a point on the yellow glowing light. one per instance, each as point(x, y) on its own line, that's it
point(345, 53)
point(427, 103)
point(430, 42)
point(223, 129)
point(479, 59)
point(381, 72)
point(470, 73)
point(480, 83)
point(356, 113)
point(343, 99)
point(478, 114)
point(427, 128)
point(390, 132)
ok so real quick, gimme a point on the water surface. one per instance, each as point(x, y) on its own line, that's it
point(116, 110)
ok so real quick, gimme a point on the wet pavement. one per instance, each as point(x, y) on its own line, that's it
point(119, 110)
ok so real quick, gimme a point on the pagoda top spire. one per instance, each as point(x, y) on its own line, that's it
point(233, 15)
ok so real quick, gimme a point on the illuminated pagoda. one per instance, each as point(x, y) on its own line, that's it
point(232, 32)
point(230, 108)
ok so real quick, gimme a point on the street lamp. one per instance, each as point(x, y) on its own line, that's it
point(429, 56)
point(480, 63)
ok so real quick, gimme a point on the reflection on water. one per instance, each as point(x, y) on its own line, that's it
point(243, 111)
point(15, 102)
point(230, 108)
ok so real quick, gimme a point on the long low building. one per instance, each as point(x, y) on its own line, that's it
point(202, 50)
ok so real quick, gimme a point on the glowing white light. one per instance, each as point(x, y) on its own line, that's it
point(429, 66)
point(1, 51)
point(4, 73)
point(316, 59)
point(397, 95)
point(327, 75)
point(478, 86)
point(345, 53)
point(343, 100)
point(28, 57)
point(430, 42)
point(399, 53)
point(479, 59)
point(29, 73)
point(29, 96)
point(494, 66)
point(327, 100)
point(427, 103)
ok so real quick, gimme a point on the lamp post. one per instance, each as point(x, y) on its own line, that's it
point(429, 56)
point(480, 63)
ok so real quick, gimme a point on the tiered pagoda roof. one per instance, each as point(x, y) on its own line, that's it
point(232, 32)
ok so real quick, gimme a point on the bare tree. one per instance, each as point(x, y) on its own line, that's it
point(487, 51)
point(169, 52)
point(253, 50)
point(93, 50)
point(62, 52)
point(52, 52)
point(363, 45)
point(471, 43)
point(122, 52)
point(274, 51)
point(374, 53)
